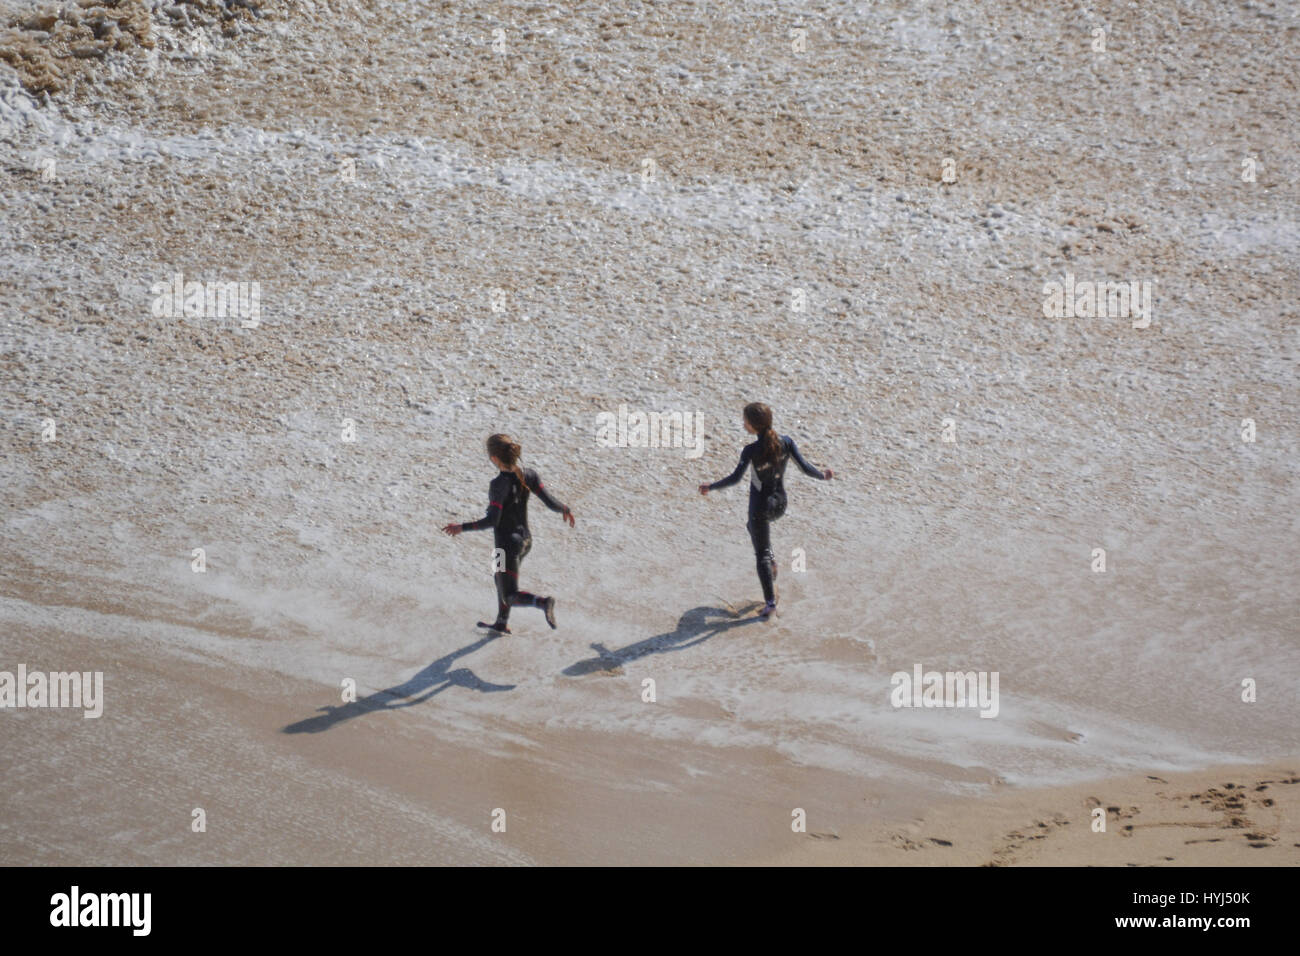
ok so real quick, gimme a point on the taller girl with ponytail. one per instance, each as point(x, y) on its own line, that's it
point(766, 458)
point(507, 516)
point(501, 449)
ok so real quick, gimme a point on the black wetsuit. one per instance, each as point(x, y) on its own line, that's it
point(766, 501)
point(507, 515)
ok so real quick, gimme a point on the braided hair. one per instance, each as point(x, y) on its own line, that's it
point(760, 417)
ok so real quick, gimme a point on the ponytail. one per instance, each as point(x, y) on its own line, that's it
point(506, 451)
point(760, 417)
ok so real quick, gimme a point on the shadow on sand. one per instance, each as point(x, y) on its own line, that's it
point(434, 679)
point(695, 627)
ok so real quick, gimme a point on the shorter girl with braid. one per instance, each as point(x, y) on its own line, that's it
point(766, 458)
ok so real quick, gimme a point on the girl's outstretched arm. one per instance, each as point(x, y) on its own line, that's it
point(803, 462)
point(732, 478)
point(489, 520)
point(548, 499)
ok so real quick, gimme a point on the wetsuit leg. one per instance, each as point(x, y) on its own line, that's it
point(516, 548)
point(760, 533)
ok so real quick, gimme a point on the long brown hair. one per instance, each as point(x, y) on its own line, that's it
point(760, 416)
point(506, 451)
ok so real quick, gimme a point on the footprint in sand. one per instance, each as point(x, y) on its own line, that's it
point(1018, 840)
point(1234, 802)
point(905, 843)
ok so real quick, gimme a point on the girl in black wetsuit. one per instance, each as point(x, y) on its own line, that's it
point(507, 515)
point(766, 457)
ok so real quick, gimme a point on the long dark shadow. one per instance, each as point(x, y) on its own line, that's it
point(694, 627)
point(434, 679)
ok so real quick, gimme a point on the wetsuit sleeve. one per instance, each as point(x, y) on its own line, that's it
point(803, 462)
point(536, 487)
point(734, 477)
point(496, 494)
